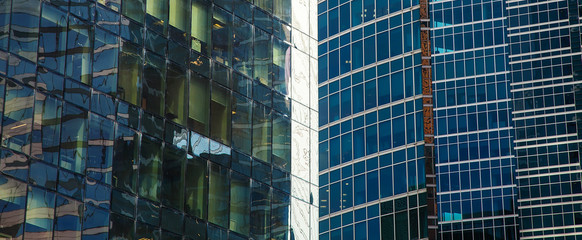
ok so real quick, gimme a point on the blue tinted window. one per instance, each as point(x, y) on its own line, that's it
point(347, 194)
point(334, 107)
point(344, 17)
point(322, 26)
point(400, 173)
point(395, 6)
point(396, 42)
point(410, 128)
point(333, 22)
point(371, 140)
point(372, 187)
point(359, 150)
point(356, 12)
point(383, 90)
point(345, 60)
point(359, 189)
point(346, 104)
point(334, 151)
point(334, 64)
point(322, 69)
point(384, 130)
point(371, 94)
point(323, 111)
point(335, 198)
point(357, 55)
point(383, 46)
point(358, 122)
point(370, 50)
point(398, 128)
point(358, 98)
point(346, 147)
point(386, 180)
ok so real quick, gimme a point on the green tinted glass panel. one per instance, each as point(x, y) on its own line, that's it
point(200, 25)
point(240, 206)
point(180, 14)
point(130, 71)
point(176, 94)
point(218, 191)
point(199, 104)
point(196, 180)
point(150, 168)
point(220, 114)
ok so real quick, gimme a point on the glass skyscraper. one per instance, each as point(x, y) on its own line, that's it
point(158, 119)
point(375, 121)
point(506, 85)
point(475, 163)
point(545, 63)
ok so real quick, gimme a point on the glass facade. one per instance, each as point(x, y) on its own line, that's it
point(159, 119)
point(475, 164)
point(545, 61)
point(373, 145)
point(505, 79)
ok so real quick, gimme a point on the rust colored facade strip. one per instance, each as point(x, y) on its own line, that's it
point(428, 119)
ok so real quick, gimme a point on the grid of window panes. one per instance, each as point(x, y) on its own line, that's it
point(371, 151)
point(475, 163)
point(150, 119)
point(545, 64)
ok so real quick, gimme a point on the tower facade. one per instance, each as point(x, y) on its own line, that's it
point(544, 58)
point(159, 119)
point(375, 141)
point(475, 161)
point(498, 86)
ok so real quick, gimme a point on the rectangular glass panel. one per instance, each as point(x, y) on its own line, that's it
point(68, 215)
point(199, 105)
point(262, 132)
point(159, 10)
point(262, 57)
point(24, 29)
point(100, 148)
point(11, 223)
point(201, 14)
point(220, 113)
point(218, 189)
point(105, 55)
point(260, 211)
point(240, 206)
point(150, 168)
point(281, 142)
point(79, 48)
point(52, 39)
point(4, 23)
point(196, 180)
point(266, 5)
point(74, 139)
point(17, 119)
point(154, 80)
point(241, 123)
point(282, 9)
point(176, 94)
point(173, 177)
point(134, 9)
point(46, 130)
point(222, 36)
point(280, 215)
point(130, 70)
point(180, 14)
point(243, 47)
point(125, 159)
point(281, 66)
point(39, 225)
